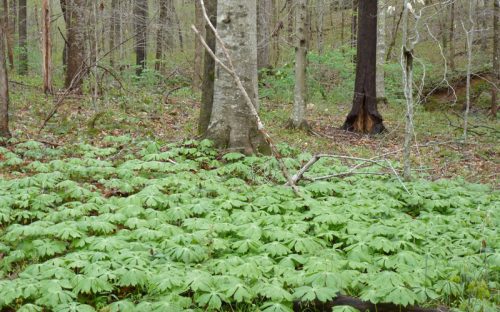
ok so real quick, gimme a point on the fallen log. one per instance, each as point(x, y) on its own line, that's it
point(341, 300)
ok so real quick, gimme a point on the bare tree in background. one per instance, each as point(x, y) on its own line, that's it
point(320, 9)
point(264, 12)
point(75, 68)
point(496, 57)
point(298, 118)
point(23, 37)
point(198, 48)
point(9, 28)
point(381, 50)
point(115, 29)
point(164, 35)
point(46, 48)
point(364, 116)
point(4, 89)
point(451, 56)
point(207, 96)
point(140, 32)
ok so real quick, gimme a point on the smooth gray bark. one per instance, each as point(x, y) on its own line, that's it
point(381, 51)
point(232, 124)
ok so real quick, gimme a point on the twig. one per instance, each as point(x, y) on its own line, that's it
point(165, 99)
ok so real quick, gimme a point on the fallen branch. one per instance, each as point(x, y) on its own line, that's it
point(360, 305)
point(230, 69)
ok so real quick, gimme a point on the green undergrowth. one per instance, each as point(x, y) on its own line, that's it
point(146, 226)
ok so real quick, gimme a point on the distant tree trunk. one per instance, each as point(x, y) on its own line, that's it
point(46, 48)
point(407, 65)
point(364, 116)
point(66, 16)
point(179, 29)
point(140, 24)
point(76, 67)
point(496, 56)
point(298, 119)
point(232, 125)
point(264, 13)
point(469, 35)
point(354, 23)
point(482, 17)
point(451, 55)
point(291, 6)
point(321, 7)
point(198, 48)
point(342, 29)
point(381, 50)
point(164, 34)
point(207, 95)
point(4, 89)
point(23, 36)
point(394, 36)
point(9, 28)
point(114, 35)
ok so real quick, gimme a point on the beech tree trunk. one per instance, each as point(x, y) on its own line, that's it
point(381, 50)
point(264, 13)
point(23, 36)
point(46, 48)
point(298, 119)
point(364, 116)
point(496, 56)
point(76, 67)
point(140, 25)
point(232, 124)
point(4, 89)
point(207, 95)
point(407, 65)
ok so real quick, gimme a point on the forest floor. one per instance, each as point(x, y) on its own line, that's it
point(439, 151)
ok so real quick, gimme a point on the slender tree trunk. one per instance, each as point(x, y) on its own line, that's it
point(207, 96)
point(163, 37)
point(178, 25)
point(364, 116)
point(342, 29)
point(381, 50)
point(278, 26)
point(496, 56)
point(321, 7)
point(354, 23)
point(67, 23)
point(291, 7)
point(114, 30)
point(76, 67)
point(4, 89)
point(23, 36)
point(469, 35)
point(451, 55)
point(298, 119)
point(140, 25)
point(9, 29)
point(198, 48)
point(264, 12)
point(407, 65)
point(46, 48)
point(233, 125)
point(394, 37)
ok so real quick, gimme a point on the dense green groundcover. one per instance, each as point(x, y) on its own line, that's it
point(140, 226)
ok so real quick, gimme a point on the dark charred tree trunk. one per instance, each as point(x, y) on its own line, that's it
point(23, 36)
point(75, 67)
point(207, 96)
point(4, 90)
point(364, 116)
point(140, 25)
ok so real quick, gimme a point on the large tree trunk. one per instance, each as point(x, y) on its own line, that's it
point(298, 119)
point(23, 36)
point(198, 48)
point(9, 28)
point(4, 89)
point(381, 50)
point(207, 96)
point(496, 56)
point(232, 125)
point(264, 13)
point(140, 31)
point(46, 48)
point(76, 67)
point(364, 116)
